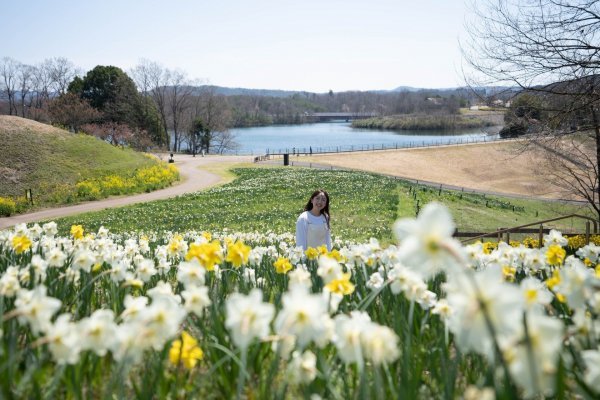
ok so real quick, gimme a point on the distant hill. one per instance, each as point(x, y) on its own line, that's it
point(45, 159)
point(226, 91)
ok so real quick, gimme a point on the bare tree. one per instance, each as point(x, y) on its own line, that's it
point(549, 49)
point(61, 72)
point(153, 80)
point(178, 97)
point(9, 69)
point(216, 115)
point(25, 83)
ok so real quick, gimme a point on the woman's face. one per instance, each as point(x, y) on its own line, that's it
point(319, 202)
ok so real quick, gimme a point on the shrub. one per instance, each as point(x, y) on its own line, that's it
point(7, 206)
point(87, 190)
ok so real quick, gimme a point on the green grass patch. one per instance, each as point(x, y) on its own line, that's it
point(363, 205)
point(51, 161)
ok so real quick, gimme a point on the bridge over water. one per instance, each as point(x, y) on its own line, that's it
point(328, 116)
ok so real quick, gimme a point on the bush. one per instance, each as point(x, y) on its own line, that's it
point(7, 206)
point(512, 130)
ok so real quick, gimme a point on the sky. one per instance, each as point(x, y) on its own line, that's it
point(311, 45)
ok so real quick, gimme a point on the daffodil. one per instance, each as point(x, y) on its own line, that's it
point(237, 254)
point(555, 255)
point(341, 285)
point(208, 254)
point(185, 351)
point(311, 253)
point(77, 232)
point(282, 265)
point(21, 244)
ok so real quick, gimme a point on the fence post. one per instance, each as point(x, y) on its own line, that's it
point(499, 235)
point(508, 237)
point(541, 236)
point(587, 232)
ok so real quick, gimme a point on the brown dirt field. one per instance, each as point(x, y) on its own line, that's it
point(10, 123)
point(493, 167)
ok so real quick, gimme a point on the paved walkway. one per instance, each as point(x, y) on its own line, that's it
point(192, 180)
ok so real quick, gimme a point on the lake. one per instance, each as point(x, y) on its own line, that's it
point(336, 136)
point(340, 136)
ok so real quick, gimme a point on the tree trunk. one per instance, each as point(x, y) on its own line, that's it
point(597, 141)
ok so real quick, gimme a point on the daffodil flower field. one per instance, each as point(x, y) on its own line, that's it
point(233, 315)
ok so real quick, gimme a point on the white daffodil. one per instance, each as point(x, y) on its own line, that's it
point(535, 293)
point(302, 315)
point(63, 340)
point(35, 308)
point(302, 367)
point(39, 266)
point(160, 321)
point(50, 229)
point(575, 279)
point(55, 258)
point(196, 299)
point(426, 243)
point(534, 359)
point(98, 332)
point(83, 260)
point(375, 281)
point(133, 307)
point(329, 269)
point(592, 369)
point(479, 297)
point(555, 237)
point(248, 317)
point(145, 269)
point(443, 309)
point(402, 279)
point(590, 252)
point(164, 290)
point(380, 344)
point(300, 276)
point(191, 273)
point(348, 331)
point(9, 282)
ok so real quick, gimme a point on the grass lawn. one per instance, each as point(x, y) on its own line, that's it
point(50, 161)
point(363, 205)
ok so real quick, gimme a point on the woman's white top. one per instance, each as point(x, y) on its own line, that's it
point(312, 231)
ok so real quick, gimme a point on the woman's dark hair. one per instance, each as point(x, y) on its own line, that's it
point(325, 210)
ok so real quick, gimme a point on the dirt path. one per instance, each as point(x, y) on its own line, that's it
point(192, 179)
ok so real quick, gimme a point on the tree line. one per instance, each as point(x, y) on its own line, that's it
point(151, 105)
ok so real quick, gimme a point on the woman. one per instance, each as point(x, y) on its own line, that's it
point(312, 227)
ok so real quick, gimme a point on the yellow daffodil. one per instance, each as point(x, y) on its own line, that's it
point(509, 273)
point(597, 269)
point(554, 280)
point(311, 253)
point(335, 254)
point(96, 267)
point(282, 265)
point(77, 232)
point(207, 236)
point(237, 254)
point(555, 255)
point(341, 285)
point(322, 250)
point(21, 244)
point(208, 254)
point(185, 351)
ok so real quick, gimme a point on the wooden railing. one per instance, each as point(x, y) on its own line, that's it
point(501, 233)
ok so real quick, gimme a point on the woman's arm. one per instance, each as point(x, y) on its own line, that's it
point(301, 232)
point(328, 239)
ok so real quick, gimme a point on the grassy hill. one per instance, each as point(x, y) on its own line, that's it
point(48, 160)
